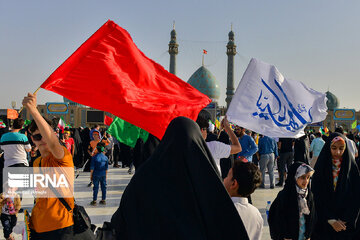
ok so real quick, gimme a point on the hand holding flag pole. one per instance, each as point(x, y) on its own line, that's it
point(34, 94)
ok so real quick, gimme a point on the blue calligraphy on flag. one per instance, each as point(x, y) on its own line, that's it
point(279, 110)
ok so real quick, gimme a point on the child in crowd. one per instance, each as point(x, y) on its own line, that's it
point(69, 142)
point(242, 180)
point(10, 206)
point(291, 215)
point(98, 169)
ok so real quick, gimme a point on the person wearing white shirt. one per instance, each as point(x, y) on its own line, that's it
point(241, 181)
point(218, 149)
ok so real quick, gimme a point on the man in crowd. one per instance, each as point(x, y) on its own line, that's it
point(268, 152)
point(286, 158)
point(49, 217)
point(15, 146)
point(315, 147)
point(241, 181)
point(248, 145)
point(218, 149)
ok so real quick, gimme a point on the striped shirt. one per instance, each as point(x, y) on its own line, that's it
point(15, 145)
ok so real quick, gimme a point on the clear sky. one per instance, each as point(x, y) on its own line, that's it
point(313, 41)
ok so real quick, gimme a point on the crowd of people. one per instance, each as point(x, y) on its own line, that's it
point(196, 183)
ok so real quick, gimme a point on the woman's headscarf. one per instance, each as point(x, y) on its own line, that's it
point(289, 204)
point(291, 188)
point(177, 193)
point(343, 202)
point(302, 193)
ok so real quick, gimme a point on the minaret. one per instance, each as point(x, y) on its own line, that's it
point(231, 51)
point(173, 51)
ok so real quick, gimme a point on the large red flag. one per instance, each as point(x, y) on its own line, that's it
point(108, 72)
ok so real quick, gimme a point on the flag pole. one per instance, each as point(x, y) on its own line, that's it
point(33, 93)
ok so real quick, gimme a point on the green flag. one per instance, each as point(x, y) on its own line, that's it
point(126, 133)
point(354, 124)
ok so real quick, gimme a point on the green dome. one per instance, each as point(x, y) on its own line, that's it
point(332, 101)
point(206, 83)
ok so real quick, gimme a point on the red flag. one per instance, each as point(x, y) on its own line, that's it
point(108, 120)
point(204, 51)
point(108, 72)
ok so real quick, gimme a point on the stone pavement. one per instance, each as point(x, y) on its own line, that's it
point(117, 180)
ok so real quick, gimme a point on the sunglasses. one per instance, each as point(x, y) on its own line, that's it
point(37, 137)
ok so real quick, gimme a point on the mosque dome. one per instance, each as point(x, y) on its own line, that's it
point(204, 81)
point(332, 101)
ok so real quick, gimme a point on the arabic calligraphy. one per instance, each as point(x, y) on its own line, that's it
point(278, 109)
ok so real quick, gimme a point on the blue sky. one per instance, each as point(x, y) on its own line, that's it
point(316, 42)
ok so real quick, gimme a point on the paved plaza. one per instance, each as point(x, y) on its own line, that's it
point(118, 178)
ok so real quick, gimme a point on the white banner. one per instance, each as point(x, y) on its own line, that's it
point(267, 103)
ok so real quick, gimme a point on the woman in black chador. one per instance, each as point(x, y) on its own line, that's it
point(336, 187)
point(177, 193)
point(292, 213)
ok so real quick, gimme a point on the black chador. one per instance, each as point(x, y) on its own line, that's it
point(143, 151)
point(340, 202)
point(284, 214)
point(177, 193)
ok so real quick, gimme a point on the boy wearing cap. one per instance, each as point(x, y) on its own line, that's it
point(98, 171)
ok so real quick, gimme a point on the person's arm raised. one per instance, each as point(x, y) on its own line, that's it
point(46, 131)
point(235, 145)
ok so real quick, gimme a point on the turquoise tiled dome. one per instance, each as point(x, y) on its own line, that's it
point(206, 83)
point(332, 101)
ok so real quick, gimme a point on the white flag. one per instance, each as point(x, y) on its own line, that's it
point(269, 104)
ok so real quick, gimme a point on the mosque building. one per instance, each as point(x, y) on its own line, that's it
point(203, 80)
point(339, 116)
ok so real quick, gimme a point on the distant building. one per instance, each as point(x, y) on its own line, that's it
point(77, 116)
point(338, 116)
point(203, 80)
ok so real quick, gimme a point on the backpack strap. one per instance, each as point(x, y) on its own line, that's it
point(62, 200)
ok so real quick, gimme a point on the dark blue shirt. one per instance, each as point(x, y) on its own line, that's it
point(99, 163)
point(248, 147)
point(268, 145)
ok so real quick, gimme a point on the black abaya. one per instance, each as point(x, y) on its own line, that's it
point(78, 153)
point(284, 211)
point(343, 203)
point(143, 151)
point(177, 193)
